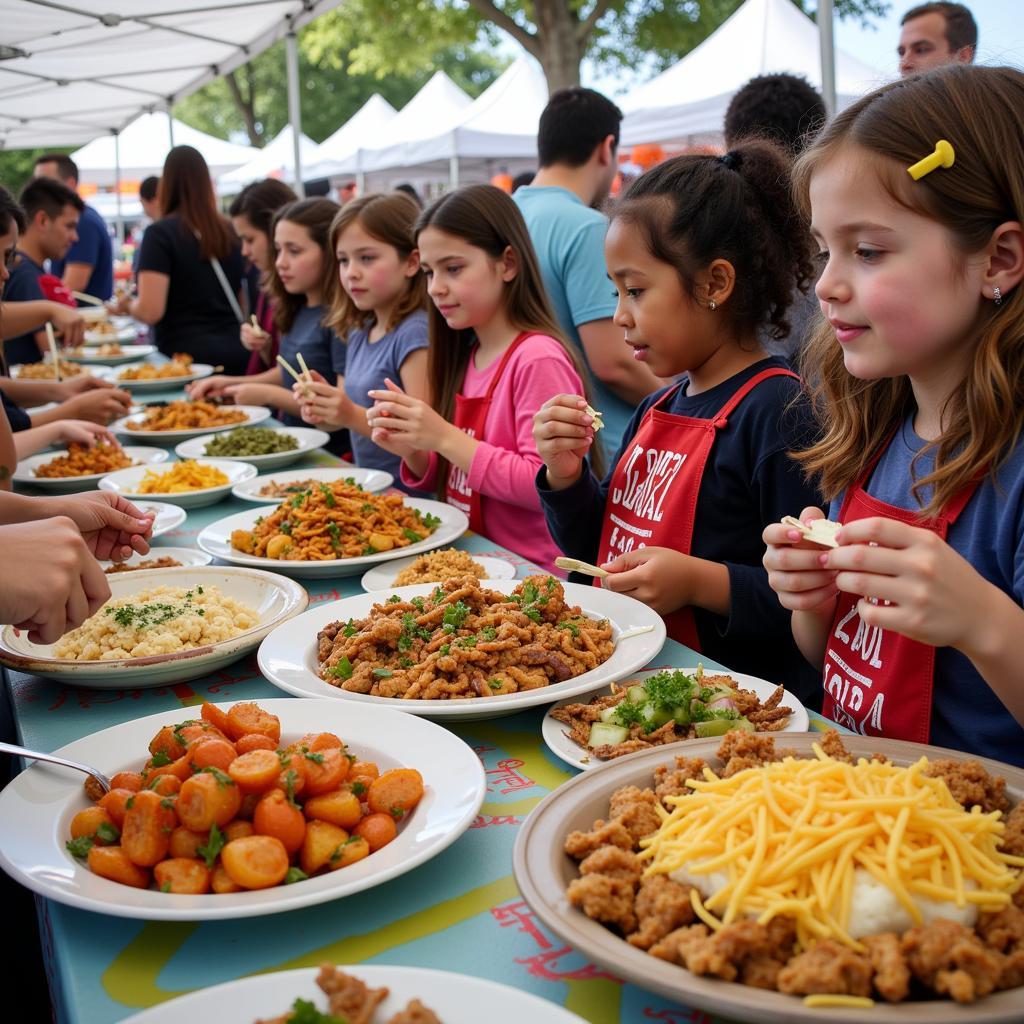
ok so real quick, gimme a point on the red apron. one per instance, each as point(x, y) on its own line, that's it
point(652, 500)
point(879, 683)
point(471, 416)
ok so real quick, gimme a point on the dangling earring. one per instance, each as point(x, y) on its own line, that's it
point(712, 305)
point(997, 296)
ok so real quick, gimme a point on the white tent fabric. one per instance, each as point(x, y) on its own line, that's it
point(762, 37)
point(369, 118)
point(144, 145)
point(85, 68)
point(501, 123)
point(275, 160)
point(427, 113)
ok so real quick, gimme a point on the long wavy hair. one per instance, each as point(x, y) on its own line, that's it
point(391, 220)
point(315, 215)
point(977, 109)
point(186, 189)
point(486, 218)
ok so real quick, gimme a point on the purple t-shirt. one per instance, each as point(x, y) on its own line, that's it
point(365, 365)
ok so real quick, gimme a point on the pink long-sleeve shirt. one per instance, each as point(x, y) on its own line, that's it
point(506, 461)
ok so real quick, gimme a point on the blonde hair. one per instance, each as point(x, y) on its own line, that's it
point(977, 110)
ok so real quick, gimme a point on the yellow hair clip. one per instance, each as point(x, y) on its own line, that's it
point(942, 157)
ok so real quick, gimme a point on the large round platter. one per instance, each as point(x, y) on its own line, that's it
point(95, 336)
point(567, 750)
point(309, 441)
point(197, 372)
point(274, 597)
point(288, 656)
point(126, 482)
point(543, 872)
point(216, 540)
point(37, 807)
point(25, 473)
point(187, 557)
point(99, 372)
point(450, 996)
point(382, 577)
point(129, 354)
point(254, 414)
point(372, 480)
point(168, 516)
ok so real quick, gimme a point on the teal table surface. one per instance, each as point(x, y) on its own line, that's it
point(460, 911)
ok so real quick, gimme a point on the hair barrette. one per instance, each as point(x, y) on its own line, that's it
point(942, 157)
point(732, 160)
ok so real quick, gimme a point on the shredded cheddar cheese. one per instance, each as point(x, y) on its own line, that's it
point(787, 838)
point(860, 1002)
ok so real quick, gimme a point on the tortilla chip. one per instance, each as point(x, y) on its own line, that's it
point(818, 531)
point(596, 416)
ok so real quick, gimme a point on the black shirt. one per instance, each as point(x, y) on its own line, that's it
point(198, 319)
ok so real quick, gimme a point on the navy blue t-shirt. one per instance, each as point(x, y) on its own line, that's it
point(93, 247)
point(989, 533)
point(23, 286)
point(16, 416)
point(748, 482)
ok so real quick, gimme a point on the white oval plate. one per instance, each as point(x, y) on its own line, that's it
point(25, 473)
point(129, 354)
point(254, 414)
point(95, 337)
point(579, 757)
point(37, 807)
point(168, 516)
point(455, 998)
point(187, 557)
point(93, 314)
point(382, 577)
point(274, 597)
point(288, 655)
point(372, 480)
point(216, 540)
point(309, 441)
point(197, 372)
point(99, 372)
point(126, 483)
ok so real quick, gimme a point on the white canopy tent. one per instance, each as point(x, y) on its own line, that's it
point(371, 117)
point(144, 145)
point(762, 37)
point(275, 160)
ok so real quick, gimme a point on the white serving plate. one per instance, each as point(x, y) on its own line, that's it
point(187, 557)
point(579, 757)
point(95, 337)
point(25, 473)
point(382, 577)
point(168, 516)
point(455, 998)
point(309, 441)
point(254, 414)
point(99, 372)
point(92, 314)
point(129, 354)
point(288, 655)
point(216, 540)
point(126, 482)
point(274, 597)
point(37, 807)
point(199, 370)
point(372, 480)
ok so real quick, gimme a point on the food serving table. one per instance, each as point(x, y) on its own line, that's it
point(460, 911)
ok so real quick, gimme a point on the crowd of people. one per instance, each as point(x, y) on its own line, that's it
point(826, 319)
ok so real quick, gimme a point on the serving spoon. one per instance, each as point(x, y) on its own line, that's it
point(11, 748)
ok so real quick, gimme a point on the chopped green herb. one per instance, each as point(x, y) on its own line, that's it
point(290, 778)
point(295, 875)
point(315, 758)
point(417, 603)
point(571, 626)
point(211, 849)
point(166, 887)
point(430, 521)
point(285, 527)
point(343, 669)
point(394, 599)
point(329, 499)
point(80, 847)
point(455, 616)
point(369, 550)
point(159, 759)
point(168, 803)
point(411, 535)
point(129, 803)
point(406, 662)
point(108, 832)
point(358, 788)
point(445, 650)
point(259, 520)
point(367, 508)
point(350, 629)
point(437, 595)
point(383, 673)
point(494, 684)
point(284, 758)
point(335, 535)
point(489, 633)
point(223, 779)
point(398, 813)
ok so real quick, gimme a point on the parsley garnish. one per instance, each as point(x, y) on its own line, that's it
point(108, 832)
point(428, 520)
point(223, 779)
point(367, 508)
point(358, 788)
point(350, 629)
point(304, 1012)
point(295, 875)
point(80, 847)
point(411, 535)
point(343, 669)
point(437, 595)
point(285, 527)
point(406, 662)
point(335, 535)
point(159, 759)
point(291, 777)
point(494, 684)
point(129, 803)
point(168, 803)
point(454, 616)
point(445, 650)
point(398, 813)
point(315, 758)
point(166, 887)
point(214, 844)
point(329, 499)
point(383, 673)
point(489, 633)
point(394, 599)
point(571, 626)
point(417, 603)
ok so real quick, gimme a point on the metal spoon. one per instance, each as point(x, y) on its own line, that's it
point(11, 748)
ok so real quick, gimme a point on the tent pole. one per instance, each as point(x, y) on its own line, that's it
point(117, 186)
point(294, 117)
point(453, 172)
point(170, 126)
point(828, 55)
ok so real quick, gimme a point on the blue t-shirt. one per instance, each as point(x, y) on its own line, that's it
point(749, 481)
point(316, 342)
point(23, 286)
point(989, 533)
point(95, 248)
point(365, 365)
point(569, 239)
point(16, 416)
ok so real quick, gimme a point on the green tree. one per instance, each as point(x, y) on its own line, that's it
point(16, 165)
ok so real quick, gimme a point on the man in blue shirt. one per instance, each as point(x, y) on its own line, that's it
point(577, 143)
point(89, 264)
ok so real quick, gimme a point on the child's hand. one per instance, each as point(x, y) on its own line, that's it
point(209, 387)
point(79, 385)
point(100, 405)
point(255, 339)
point(795, 569)
point(564, 434)
point(935, 596)
point(84, 432)
point(323, 403)
point(252, 394)
point(657, 576)
point(408, 421)
point(111, 526)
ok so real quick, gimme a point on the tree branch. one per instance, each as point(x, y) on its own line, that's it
point(494, 13)
point(586, 26)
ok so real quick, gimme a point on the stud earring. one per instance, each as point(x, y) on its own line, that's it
point(712, 305)
point(997, 296)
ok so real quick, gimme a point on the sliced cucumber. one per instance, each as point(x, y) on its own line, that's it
point(720, 726)
point(608, 714)
point(603, 732)
point(637, 694)
point(681, 714)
